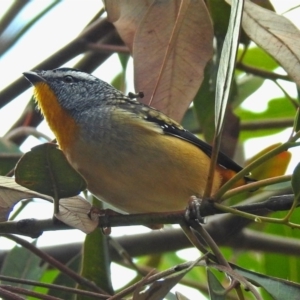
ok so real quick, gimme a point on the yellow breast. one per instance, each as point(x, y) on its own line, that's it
point(59, 120)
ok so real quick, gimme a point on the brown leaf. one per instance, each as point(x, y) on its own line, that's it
point(171, 48)
point(11, 193)
point(276, 35)
point(74, 212)
point(126, 16)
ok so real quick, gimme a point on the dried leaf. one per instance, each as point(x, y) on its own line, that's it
point(276, 35)
point(11, 193)
point(170, 54)
point(74, 212)
point(126, 16)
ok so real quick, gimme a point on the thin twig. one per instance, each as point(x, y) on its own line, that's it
point(155, 277)
point(26, 131)
point(53, 262)
point(93, 33)
point(52, 286)
point(7, 295)
point(261, 73)
point(26, 292)
point(34, 228)
point(108, 48)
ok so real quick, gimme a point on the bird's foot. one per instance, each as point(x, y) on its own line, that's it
point(198, 209)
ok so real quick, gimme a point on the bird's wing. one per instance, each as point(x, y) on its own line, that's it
point(223, 159)
point(171, 127)
point(178, 131)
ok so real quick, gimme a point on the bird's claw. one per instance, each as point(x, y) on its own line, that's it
point(193, 211)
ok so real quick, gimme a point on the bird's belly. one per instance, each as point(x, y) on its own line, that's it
point(149, 180)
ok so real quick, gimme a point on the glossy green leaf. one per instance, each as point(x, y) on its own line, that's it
point(278, 288)
point(64, 280)
point(227, 63)
point(119, 82)
point(204, 104)
point(179, 296)
point(220, 13)
point(95, 259)
point(159, 289)
point(216, 290)
point(9, 156)
point(46, 170)
point(48, 276)
point(124, 58)
point(289, 265)
point(297, 121)
point(257, 57)
point(190, 121)
point(246, 87)
point(277, 109)
point(296, 182)
point(22, 263)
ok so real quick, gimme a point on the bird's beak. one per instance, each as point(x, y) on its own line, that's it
point(33, 77)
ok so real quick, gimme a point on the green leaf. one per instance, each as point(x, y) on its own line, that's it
point(297, 121)
point(227, 63)
point(190, 121)
point(95, 259)
point(9, 156)
point(64, 280)
point(256, 57)
point(124, 60)
point(159, 289)
point(22, 263)
point(278, 108)
point(48, 276)
point(220, 13)
point(278, 288)
point(246, 88)
point(216, 290)
point(204, 104)
point(289, 267)
point(46, 170)
point(296, 183)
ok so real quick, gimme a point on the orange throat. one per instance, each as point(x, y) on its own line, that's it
point(58, 119)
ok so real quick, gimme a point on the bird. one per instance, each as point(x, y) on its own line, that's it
point(131, 155)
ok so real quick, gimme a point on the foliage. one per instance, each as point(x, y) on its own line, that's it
point(253, 239)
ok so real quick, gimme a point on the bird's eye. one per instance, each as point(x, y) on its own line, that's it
point(68, 79)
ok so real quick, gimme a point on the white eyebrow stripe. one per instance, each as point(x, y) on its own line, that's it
point(77, 74)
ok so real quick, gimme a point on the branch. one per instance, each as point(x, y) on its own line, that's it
point(261, 73)
point(14, 9)
point(51, 286)
point(259, 241)
point(173, 240)
point(19, 290)
point(34, 228)
point(267, 124)
point(93, 33)
point(77, 278)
